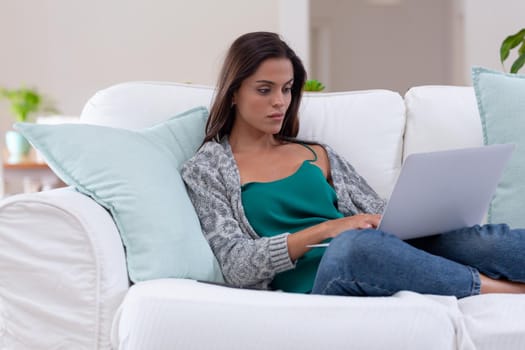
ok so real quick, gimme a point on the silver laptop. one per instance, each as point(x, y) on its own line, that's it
point(441, 191)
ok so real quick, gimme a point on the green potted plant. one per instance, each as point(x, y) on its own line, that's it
point(511, 42)
point(23, 101)
point(313, 85)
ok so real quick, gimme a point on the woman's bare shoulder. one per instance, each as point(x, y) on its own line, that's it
point(320, 149)
point(321, 155)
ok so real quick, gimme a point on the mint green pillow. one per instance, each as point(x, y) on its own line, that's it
point(501, 104)
point(134, 174)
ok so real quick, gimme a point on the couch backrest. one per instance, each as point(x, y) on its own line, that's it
point(440, 118)
point(137, 105)
point(366, 127)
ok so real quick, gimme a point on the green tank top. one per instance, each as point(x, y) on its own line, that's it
point(291, 204)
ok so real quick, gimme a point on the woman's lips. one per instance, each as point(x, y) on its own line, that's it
point(277, 116)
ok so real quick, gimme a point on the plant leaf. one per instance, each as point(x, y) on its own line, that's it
point(518, 64)
point(509, 43)
point(521, 50)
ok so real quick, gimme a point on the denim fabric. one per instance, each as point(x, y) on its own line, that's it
point(374, 263)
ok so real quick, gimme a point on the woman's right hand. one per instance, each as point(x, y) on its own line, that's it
point(358, 221)
point(298, 242)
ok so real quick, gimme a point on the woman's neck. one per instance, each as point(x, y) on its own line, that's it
point(251, 142)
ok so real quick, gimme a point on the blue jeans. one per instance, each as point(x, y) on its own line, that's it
point(374, 263)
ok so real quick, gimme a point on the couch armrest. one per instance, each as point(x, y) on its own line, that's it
point(62, 271)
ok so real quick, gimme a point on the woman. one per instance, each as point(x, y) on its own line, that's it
point(264, 197)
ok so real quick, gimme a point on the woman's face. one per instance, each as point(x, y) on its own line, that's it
point(263, 98)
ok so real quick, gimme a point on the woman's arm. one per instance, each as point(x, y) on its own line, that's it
point(244, 260)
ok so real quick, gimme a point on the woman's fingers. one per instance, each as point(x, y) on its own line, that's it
point(370, 220)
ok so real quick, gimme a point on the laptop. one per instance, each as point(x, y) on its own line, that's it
point(437, 192)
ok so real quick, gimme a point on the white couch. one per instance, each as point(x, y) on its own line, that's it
point(63, 278)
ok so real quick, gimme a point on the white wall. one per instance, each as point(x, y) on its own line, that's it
point(396, 44)
point(487, 24)
point(365, 44)
point(294, 26)
point(70, 49)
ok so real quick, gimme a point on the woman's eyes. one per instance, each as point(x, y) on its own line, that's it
point(265, 91)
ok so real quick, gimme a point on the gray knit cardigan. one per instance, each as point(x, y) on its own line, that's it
point(246, 259)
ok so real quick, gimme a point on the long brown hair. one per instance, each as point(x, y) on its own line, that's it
point(244, 57)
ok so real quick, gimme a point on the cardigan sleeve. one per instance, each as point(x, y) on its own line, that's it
point(244, 260)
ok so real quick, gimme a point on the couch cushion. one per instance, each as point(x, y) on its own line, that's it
point(440, 118)
point(134, 174)
point(501, 102)
point(365, 127)
point(183, 314)
point(495, 321)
